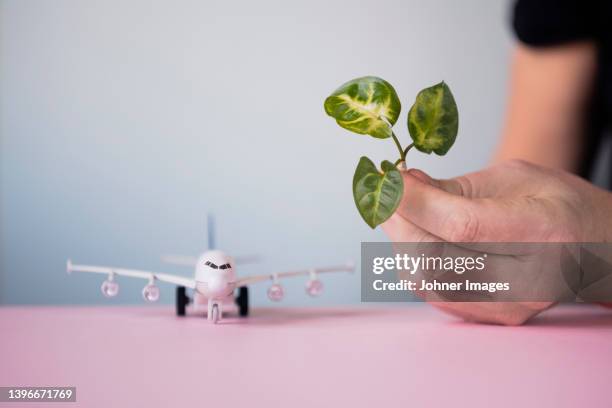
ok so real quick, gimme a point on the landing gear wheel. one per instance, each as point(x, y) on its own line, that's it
point(215, 313)
point(242, 301)
point(182, 300)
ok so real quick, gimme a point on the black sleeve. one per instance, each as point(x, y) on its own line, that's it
point(552, 22)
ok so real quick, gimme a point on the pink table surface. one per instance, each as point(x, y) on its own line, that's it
point(348, 357)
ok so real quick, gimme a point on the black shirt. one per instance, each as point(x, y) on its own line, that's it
point(542, 23)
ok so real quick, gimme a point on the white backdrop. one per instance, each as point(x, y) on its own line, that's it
point(123, 122)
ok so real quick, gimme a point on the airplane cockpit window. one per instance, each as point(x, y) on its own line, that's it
point(214, 266)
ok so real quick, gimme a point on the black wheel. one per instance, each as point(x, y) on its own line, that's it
point(242, 300)
point(182, 300)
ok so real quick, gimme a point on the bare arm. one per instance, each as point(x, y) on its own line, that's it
point(549, 88)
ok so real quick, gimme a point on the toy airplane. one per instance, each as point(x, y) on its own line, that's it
point(214, 281)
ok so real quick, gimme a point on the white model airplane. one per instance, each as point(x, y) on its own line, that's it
point(214, 281)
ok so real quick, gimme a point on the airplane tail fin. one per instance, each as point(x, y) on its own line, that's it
point(210, 230)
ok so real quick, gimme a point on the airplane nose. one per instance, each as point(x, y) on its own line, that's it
point(216, 285)
point(214, 288)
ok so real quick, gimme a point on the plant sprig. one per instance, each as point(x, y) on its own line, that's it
point(370, 106)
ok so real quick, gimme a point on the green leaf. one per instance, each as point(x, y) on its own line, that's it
point(377, 194)
point(367, 105)
point(433, 120)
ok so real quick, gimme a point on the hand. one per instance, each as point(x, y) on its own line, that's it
point(511, 202)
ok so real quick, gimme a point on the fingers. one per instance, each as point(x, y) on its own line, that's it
point(445, 209)
point(489, 182)
point(398, 229)
point(504, 313)
point(458, 186)
point(429, 207)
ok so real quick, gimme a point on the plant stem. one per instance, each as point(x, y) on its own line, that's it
point(405, 152)
point(399, 146)
point(408, 149)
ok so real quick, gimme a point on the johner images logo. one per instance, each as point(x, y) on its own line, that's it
point(410, 265)
point(486, 272)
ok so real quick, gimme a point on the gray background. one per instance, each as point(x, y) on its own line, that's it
point(124, 122)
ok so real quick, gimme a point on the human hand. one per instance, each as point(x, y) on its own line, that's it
point(511, 202)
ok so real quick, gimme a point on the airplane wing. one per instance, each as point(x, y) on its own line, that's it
point(186, 260)
point(132, 273)
point(248, 280)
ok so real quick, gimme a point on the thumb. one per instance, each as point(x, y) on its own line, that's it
point(438, 207)
point(453, 186)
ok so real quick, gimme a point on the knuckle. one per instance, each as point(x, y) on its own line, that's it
point(464, 227)
point(466, 188)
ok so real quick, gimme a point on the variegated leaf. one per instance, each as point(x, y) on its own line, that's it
point(377, 194)
point(367, 105)
point(433, 120)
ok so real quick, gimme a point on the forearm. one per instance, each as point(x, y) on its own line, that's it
point(547, 98)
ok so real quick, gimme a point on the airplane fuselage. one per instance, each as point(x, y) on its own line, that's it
point(214, 275)
point(215, 281)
